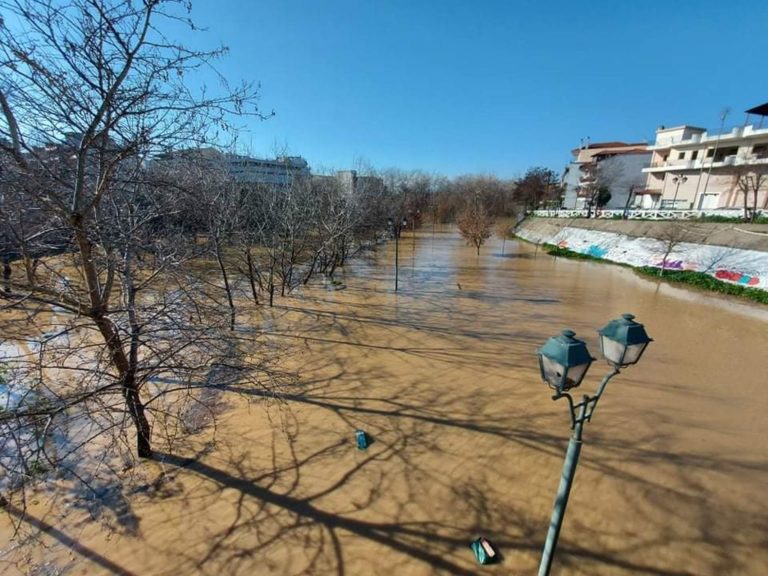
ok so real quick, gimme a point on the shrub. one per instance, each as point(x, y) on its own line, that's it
point(707, 282)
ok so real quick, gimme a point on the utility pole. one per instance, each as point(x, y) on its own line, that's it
point(723, 116)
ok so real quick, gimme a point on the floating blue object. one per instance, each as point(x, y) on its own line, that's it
point(484, 551)
point(363, 440)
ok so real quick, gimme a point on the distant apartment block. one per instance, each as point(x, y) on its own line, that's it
point(351, 182)
point(692, 168)
point(614, 166)
point(279, 171)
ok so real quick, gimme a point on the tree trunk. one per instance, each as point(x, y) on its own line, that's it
point(754, 204)
point(311, 270)
point(7, 275)
point(227, 287)
point(251, 278)
point(139, 417)
point(98, 313)
point(746, 207)
point(272, 283)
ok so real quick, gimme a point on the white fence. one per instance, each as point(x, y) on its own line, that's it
point(736, 214)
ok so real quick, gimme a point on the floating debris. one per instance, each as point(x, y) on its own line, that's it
point(362, 439)
point(484, 551)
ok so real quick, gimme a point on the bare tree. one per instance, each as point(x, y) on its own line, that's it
point(91, 90)
point(675, 233)
point(503, 231)
point(475, 224)
point(604, 174)
point(750, 180)
point(538, 187)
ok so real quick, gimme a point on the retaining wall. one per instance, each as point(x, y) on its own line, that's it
point(735, 254)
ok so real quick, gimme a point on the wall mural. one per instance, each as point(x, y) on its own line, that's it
point(746, 267)
point(670, 264)
point(737, 277)
point(596, 251)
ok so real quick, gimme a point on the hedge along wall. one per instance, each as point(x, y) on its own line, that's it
point(734, 265)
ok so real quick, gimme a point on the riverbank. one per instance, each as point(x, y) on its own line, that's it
point(675, 246)
point(692, 279)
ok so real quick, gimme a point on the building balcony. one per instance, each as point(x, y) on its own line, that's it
point(706, 139)
point(733, 160)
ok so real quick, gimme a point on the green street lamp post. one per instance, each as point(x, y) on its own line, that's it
point(564, 361)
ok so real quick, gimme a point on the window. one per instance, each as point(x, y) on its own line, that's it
point(760, 150)
point(710, 152)
point(723, 153)
point(681, 156)
point(695, 155)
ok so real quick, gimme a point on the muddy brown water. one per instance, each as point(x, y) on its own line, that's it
point(466, 440)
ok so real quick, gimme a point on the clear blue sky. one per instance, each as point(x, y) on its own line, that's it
point(485, 86)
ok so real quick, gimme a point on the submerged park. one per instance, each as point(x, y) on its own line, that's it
point(443, 375)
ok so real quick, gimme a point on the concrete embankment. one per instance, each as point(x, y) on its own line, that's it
point(735, 253)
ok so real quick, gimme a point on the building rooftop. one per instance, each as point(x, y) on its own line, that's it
point(663, 128)
point(643, 150)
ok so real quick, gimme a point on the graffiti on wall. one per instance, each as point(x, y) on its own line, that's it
point(670, 264)
point(735, 265)
point(596, 251)
point(737, 277)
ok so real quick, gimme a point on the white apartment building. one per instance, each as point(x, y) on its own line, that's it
point(279, 171)
point(692, 168)
point(617, 166)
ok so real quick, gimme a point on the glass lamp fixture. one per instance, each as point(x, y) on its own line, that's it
point(623, 341)
point(564, 361)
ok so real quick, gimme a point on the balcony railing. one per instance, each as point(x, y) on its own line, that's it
point(668, 214)
point(711, 136)
point(732, 160)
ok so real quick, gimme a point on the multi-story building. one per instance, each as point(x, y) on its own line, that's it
point(353, 183)
point(614, 167)
point(692, 168)
point(281, 171)
point(350, 182)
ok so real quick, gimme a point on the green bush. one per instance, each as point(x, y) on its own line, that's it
point(553, 250)
point(707, 282)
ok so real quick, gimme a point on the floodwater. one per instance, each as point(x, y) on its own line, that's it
point(466, 439)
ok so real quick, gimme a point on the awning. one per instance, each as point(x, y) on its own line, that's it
point(761, 110)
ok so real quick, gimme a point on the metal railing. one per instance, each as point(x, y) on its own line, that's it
point(632, 214)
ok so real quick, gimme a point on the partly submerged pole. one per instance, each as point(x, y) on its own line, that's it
point(397, 253)
point(561, 502)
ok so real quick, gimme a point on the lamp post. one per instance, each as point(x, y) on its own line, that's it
point(414, 216)
point(679, 179)
point(396, 229)
point(564, 361)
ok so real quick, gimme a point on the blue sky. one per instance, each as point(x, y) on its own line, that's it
point(458, 87)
